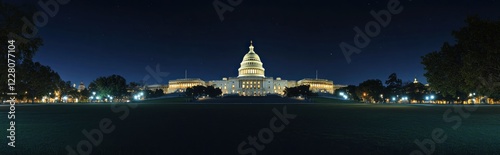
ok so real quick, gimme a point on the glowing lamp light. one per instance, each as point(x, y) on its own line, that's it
point(432, 97)
point(427, 98)
point(393, 99)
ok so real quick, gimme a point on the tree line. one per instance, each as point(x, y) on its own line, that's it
point(469, 68)
point(394, 90)
point(472, 64)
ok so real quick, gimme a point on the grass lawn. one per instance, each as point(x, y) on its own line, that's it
point(218, 129)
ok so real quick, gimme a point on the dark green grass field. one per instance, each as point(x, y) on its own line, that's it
point(218, 129)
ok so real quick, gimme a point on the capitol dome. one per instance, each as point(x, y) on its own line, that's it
point(251, 66)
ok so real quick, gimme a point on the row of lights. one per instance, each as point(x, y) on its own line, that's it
point(138, 96)
point(98, 97)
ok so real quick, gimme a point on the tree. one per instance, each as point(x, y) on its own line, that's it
point(36, 80)
point(415, 91)
point(158, 93)
point(195, 91)
point(370, 90)
point(114, 85)
point(198, 91)
point(350, 91)
point(64, 87)
point(211, 91)
point(471, 65)
point(394, 86)
point(83, 95)
point(302, 90)
point(11, 28)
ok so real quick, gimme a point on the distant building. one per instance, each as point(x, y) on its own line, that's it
point(81, 87)
point(156, 87)
point(318, 85)
point(180, 85)
point(251, 81)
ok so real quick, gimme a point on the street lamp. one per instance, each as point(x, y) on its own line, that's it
point(93, 93)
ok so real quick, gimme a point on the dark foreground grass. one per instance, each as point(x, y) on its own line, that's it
point(218, 129)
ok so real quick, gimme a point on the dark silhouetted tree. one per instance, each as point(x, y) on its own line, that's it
point(11, 27)
point(302, 90)
point(394, 87)
point(370, 90)
point(35, 80)
point(471, 65)
point(114, 85)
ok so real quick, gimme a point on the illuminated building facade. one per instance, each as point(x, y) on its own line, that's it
point(180, 85)
point(318, 85)
point(251, 81)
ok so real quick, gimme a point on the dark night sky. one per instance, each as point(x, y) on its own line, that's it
point(92, 38)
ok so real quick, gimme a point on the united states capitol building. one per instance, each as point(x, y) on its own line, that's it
point(251, 81)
